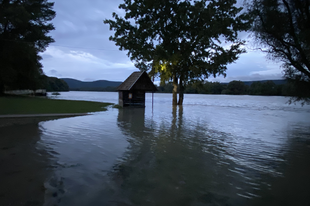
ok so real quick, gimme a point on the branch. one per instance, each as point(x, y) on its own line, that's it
point(293, 32)
point(266, 51)
point(293, 62)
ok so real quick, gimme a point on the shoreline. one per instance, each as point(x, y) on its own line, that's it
point(21, 106)
point(12, 120)
point(42, 115)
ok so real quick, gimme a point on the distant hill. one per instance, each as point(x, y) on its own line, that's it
point(100, 85)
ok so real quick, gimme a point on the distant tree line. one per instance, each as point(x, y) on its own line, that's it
point(268, 88)
point(53, 84)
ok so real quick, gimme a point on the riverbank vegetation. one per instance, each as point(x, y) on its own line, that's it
point(36, 105)
point(271, 88)
point(264, 87)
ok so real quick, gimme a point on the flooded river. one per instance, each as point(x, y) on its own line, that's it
point(215, 150)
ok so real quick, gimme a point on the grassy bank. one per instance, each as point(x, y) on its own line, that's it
point(33, 105)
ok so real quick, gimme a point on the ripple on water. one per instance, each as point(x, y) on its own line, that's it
point(214, 150)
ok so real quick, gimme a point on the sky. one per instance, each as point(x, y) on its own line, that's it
point(82, 49)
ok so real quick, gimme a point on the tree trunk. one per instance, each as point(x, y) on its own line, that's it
point(174, 118)
point(180, 116)
point(175, 90)
point(181, 92)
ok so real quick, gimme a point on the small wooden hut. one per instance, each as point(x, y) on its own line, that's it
point(132, 90)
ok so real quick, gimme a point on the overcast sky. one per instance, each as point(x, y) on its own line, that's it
point(82, 49)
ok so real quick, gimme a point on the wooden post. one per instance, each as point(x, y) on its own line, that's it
point(153, 98)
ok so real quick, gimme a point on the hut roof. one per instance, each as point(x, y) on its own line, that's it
point(137, 81)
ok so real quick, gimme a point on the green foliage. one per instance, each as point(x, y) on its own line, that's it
point(198, 87)
point(236, 87)
point(264, 88)
point(23, 34)
point(180, 40)
point(255, 88)
point(165, 87)
point(116, 106)
point(283, 28)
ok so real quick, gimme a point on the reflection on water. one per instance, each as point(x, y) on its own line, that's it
point(24, 165)
point(216, 153)
point(179, 164)
point(293, 187)
point(174, 164)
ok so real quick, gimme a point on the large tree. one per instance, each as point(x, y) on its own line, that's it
point(24, 28)
point(180, 40)
point(282, 28)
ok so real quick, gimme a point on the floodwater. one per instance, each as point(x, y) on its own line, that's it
point(215, 150)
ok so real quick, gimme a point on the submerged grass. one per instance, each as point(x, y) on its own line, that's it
point(116, 106)
point(36, 105)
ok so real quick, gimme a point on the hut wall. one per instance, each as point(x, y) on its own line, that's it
point(137, 98)
point(120, 98)
point(132, 90)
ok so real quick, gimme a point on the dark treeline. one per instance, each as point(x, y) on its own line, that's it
point(53, 84)
point(235, 88)
point(24, 28)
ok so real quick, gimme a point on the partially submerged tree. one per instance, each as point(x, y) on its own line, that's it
point(180, 40)
point(282, 27)
point(24, 27)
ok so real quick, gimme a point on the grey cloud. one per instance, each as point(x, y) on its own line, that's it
point(53, 71)
point(80, 28)
point(118, 74)
point(46, 56)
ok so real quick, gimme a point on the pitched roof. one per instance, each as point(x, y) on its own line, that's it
point(129, 83)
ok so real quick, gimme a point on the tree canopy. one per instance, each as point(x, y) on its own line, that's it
point(180, 40)
point(282, 27)
point(24, 28)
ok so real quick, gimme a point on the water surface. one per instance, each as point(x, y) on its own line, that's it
point(215, 150)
